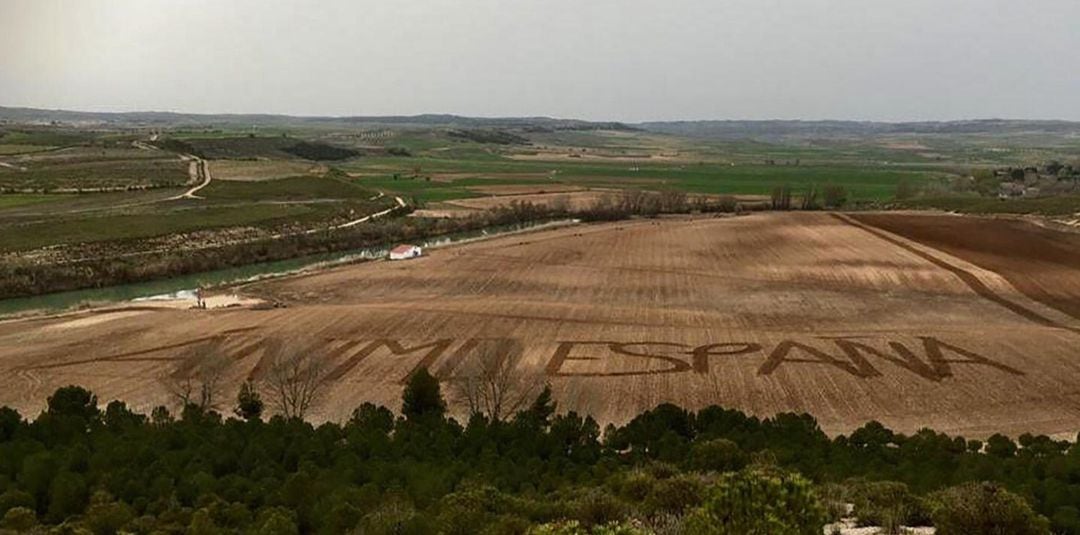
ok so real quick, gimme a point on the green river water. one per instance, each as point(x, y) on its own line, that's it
point(126, 292)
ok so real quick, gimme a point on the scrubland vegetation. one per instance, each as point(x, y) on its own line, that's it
point(90, 206)
point(229, 468)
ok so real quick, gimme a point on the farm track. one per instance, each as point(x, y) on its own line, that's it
point(768, 312)
point(1040, 262)
point(19, 168)
point(202, 177)
point(972, 281)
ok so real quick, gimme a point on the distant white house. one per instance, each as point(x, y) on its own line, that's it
point(405, 252)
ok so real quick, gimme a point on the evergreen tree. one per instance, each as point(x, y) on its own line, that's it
point(73, 401)
point(422, 398)
point(249, 404)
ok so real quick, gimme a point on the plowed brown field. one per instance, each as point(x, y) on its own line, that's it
point(1042, 263)
point(769, 312)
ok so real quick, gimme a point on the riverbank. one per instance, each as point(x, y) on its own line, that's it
point(178, 292)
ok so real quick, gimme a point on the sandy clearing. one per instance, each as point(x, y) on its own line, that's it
point(440, 212)
point(13, 166)
point(93, 319)
point(187, 299)
point(768, 312)
point(576, 154)
point(904, 145)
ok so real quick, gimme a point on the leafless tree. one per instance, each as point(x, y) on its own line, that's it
point(294, 378)
point(700, 203)
point(673, 201)
point(560, 204)
point(781, 197)
point(493, 384)
point(198, 378)
point(726, 203)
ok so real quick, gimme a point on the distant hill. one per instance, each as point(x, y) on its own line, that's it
point(155, 118)
point(820, 129)
point(763, 130)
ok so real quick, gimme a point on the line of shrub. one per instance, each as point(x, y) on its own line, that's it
point(418, 471)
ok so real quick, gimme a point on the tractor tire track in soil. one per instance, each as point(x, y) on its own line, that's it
point(967, 277)
point(1040, 261)
point(772, 312)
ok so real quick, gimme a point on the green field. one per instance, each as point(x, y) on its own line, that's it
point(47, 137)
point(443, 163)
point(128, 194)
point(89, 173)
point(302, 188)
point(142, 225)
point(11, 148)
point(14, 200)
point(862, 183)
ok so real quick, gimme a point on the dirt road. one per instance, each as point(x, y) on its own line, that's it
point(202, 175)
point(13, 166)
point(1040, 262)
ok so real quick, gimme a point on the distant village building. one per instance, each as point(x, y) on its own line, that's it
point(405, 252)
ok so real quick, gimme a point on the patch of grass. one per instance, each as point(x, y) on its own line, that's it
point(47, 137)
point(128, 226)
point(6, 148)
point(97, 175)
point(286, 189)
point(13, 200)
point(862, 183)
point(418, 188)
point(251, 147)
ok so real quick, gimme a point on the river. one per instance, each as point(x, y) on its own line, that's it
point(126, 292)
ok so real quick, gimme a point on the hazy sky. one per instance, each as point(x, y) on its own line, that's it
point(593, 59)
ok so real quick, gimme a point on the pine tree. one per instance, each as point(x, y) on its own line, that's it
point(423, 397)
point(249, 404)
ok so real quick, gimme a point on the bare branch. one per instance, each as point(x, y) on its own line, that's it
point(197, 379)
point(494, 384)
point(295, 377)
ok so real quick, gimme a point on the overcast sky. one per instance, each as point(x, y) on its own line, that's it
point(624, 60)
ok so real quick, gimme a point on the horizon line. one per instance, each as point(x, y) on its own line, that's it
point(526, 117)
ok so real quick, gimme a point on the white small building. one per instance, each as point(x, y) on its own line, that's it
point(405, 252)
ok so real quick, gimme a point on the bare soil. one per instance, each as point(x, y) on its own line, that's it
point(259, 170)
point(770, 312)
point(1041, 262)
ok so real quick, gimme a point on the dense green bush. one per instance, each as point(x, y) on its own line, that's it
point(720, 455)
point(18, 519)
point(984, 509)
point(320, 151)
point(752, 502)
point(888, 504)
point(111, 470)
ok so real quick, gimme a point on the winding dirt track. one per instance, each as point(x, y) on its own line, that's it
point(769, 312)
point(1040, 262)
